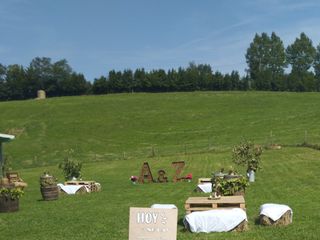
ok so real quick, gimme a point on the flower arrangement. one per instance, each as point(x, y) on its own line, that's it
point(189, 177)
point(47, 180)
point(134, 179)
point(14, 193)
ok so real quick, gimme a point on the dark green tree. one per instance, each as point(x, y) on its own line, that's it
point(316, 67)
point(4, 92)
point(75, 84)
point(277, 62)
point(139, 80)
point(40, 69)
point(266, 60)
point(127, 80)
point(301, 56)
point(15, 79)
point(62, 75)
point(115, 82)
point(100, 86)
point(204, 76)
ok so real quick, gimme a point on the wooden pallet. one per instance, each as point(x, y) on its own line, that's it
point(204, 203)
point(204, 180)
point(94, 187)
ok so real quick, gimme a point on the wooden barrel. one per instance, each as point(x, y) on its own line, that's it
point(8, 204)
point(50, 193)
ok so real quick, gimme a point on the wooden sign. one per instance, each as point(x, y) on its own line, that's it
point(153, 224)
point(145, 173)
point(178, 166)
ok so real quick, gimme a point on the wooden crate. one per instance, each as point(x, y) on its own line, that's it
point(204, 180)
point(204, 203)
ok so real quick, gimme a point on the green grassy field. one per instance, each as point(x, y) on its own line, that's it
point(114, 134)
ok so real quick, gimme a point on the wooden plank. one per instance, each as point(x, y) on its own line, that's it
point(204, 203)
point(204, 180)
point(79, 182)
point(223, 199)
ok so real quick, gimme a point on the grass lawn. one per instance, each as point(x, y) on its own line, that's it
point(113, 135)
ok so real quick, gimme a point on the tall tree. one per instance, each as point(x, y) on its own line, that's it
point(301, 55)
point(40, 70)
point(316, 67)
point(100, 86)
point(115, 81)
point(277, 62)
point(127, 80)
point(62, 77)
point(3, 84)
point(266, 61)
point(16, 83)
point(75, 84)
point(139, 79)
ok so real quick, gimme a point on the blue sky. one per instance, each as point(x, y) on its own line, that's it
point(99, 35)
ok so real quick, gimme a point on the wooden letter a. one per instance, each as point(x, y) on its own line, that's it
point(145, 173)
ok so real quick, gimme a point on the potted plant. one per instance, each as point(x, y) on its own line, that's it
point(9, 198)
point(71, 169)
point(48, 187)
point(231, 186)
point(247, 154)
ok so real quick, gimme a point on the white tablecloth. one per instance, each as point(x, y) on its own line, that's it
point(70, 189)
point(164, 206)
point(274, 211)
point(217, 220)
point(205, 187)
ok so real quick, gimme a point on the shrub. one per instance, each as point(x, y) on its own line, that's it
point(71, 169)
point(247, 154)
point(228, 187)
point(11, 193)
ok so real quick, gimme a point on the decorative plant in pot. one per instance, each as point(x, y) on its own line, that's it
point(231, 186)
point(9, 193)
point(247, 154)
point(48, 187)
point(71, 169)
point(9, 198)
point(228, 184)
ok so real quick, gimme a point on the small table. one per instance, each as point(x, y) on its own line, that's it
point(204, 203)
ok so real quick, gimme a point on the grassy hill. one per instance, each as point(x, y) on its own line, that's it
point(115, 134)
point(129, 126)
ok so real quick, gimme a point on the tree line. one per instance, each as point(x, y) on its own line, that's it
point(271, 67)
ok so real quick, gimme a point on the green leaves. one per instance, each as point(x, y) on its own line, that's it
point(266, 60)
point(301, 54)
point(70, 168)
point(247, 154)
point(11, 193)
point(229, 187)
